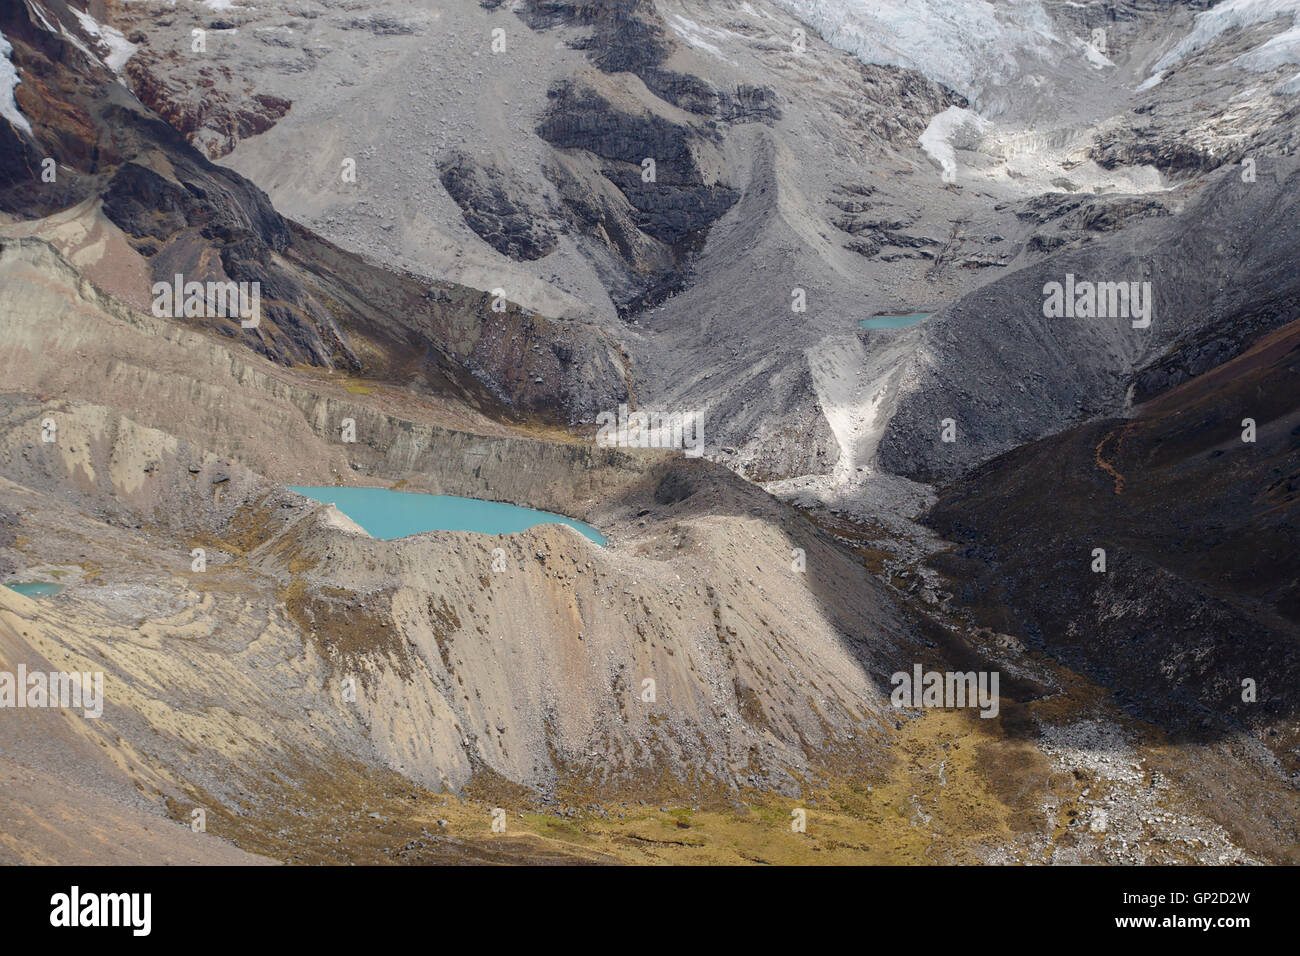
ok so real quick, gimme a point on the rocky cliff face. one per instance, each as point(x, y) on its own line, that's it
point(592, 192)
point(189, 217)
point(844, 199)
point(1219, 273)
point(215, 113)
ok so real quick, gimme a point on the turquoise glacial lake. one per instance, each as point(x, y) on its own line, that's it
point(396, 514)
point(894, 321)
point(36, 589)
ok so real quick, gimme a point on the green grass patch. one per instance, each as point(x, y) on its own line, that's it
point(555, 827)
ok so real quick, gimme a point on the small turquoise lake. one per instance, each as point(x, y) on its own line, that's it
point(894, 321)
point(36, 589)
point(397, 514)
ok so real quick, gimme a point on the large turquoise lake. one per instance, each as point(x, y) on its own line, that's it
point(894, 321)
point(397, 514)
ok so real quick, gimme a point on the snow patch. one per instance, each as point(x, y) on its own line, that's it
point(119, 48)
point(1151, 81)
point(953, 129)
point(1029, 161)
point(970, 46)
point(9, 79)
point(696, 35)
point(1280, 51)
point(1093, 55)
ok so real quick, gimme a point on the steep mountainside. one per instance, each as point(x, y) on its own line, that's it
point(940, 157)
point(186, 216)
point(477, 228)
point(1199, 529)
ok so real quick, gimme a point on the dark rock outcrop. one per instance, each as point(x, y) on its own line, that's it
point(490, 204)
point(673, 208)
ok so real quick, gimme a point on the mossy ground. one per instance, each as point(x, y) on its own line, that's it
point(958, 789)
